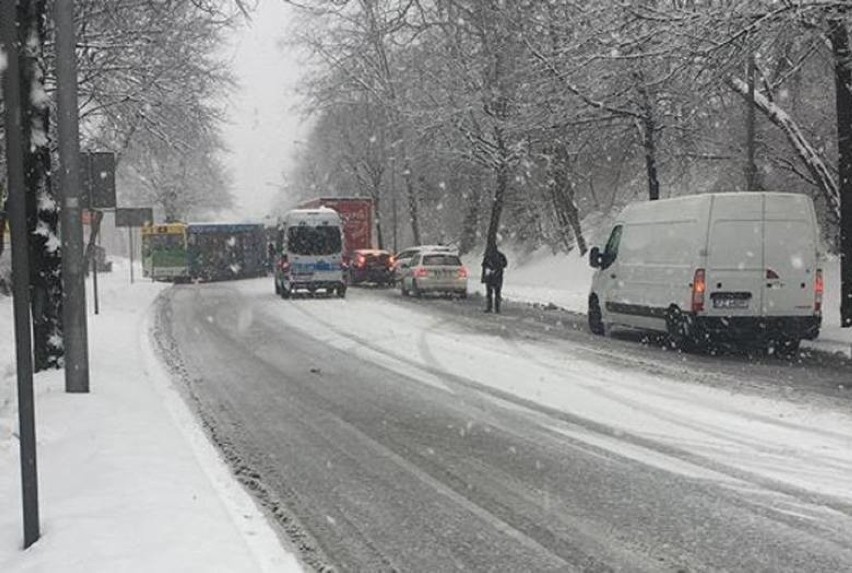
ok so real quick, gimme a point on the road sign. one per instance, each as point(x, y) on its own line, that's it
point(98, 179)
point(134, 217)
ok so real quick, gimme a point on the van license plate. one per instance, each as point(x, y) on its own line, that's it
point(719, 302)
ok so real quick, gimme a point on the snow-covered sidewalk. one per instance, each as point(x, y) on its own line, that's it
point(127, 479)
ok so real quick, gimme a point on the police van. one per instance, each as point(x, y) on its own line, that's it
point(742, 267)
point(309, 253)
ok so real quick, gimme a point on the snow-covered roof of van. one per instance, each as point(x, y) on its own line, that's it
point(687, 206)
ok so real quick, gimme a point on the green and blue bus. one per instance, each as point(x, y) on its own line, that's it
point(204, 251)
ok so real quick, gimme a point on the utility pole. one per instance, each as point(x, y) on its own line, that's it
point(20, 268)
point(73, 261)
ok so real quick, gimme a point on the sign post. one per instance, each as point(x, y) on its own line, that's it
point(20, 270)
point(130, 240)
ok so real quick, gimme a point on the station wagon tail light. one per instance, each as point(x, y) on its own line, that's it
point(463, 273)
point(421, 272)
point(819, 289)
point(699, 286)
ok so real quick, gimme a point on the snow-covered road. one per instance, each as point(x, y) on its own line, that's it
point(528, 449)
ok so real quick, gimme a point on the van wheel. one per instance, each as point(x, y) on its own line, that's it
point(680, 330)
point(596, 324)
point(786, 347)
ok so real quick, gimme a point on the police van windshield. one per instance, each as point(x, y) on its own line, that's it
point(305, 240)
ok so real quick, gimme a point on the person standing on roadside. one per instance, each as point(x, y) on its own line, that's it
point(493, 264)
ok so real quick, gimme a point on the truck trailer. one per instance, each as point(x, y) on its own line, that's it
point(357, 215)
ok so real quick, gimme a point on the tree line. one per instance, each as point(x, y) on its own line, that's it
point(151, 79)
point(469, 119)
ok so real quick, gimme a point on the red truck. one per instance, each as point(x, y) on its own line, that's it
point(357, 215)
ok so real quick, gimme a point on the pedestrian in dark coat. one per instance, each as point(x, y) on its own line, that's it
point(493, 264)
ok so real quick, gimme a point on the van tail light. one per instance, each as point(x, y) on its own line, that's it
point(819, 289)
point(421, 272)
point(699, 286)
point(463, 273)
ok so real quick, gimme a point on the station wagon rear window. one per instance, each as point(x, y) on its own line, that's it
point(441, 260)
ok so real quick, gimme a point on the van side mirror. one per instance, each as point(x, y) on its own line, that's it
point(595, 258)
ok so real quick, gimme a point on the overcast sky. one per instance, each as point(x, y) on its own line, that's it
point(264, 126)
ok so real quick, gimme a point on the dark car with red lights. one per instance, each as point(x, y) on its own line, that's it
point(374, 266)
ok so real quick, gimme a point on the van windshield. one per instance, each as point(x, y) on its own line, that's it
point(304, 240)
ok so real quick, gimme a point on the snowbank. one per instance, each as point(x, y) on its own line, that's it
point(128, 482)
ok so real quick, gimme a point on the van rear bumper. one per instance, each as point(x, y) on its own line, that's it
point(316, 285)
point(759, 327)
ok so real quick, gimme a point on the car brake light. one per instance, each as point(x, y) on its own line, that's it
point(463, 273)
point(420, 272)
point(819, 289)
point(698, 288)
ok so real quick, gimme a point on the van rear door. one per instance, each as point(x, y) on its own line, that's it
point(735, 270)
point(789, 255)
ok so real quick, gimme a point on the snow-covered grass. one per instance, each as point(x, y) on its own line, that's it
point(564, 280)
point(128, 481)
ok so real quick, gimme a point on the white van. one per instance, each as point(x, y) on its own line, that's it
point(309, 252)
point(740, 267)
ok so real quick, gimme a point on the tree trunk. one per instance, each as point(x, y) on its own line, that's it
point(562, 196)
point(378, 213)
point(410, 189)
point(42, 210)
point(502, 184)
point(3, 225)
point(839, 37)
point(648, 129)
